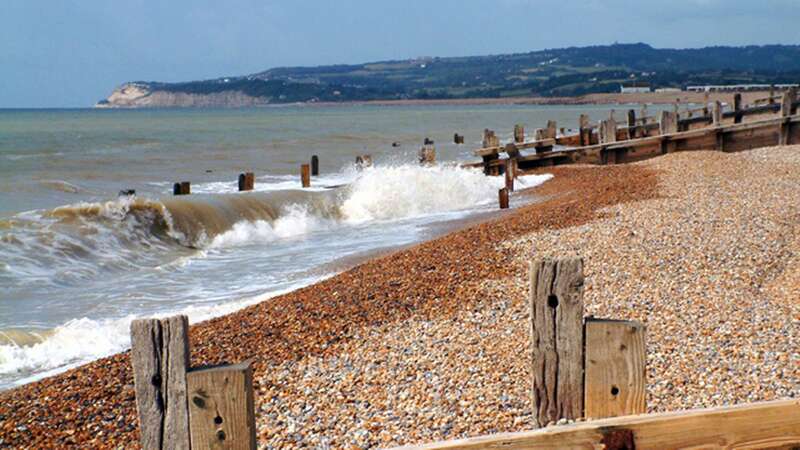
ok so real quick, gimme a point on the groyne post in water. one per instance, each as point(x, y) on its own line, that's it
point(458, 138)
point(305, 175)
point(247, 181)
point(183, 408)
point(314, 165)
point(427, 154)
point(363, 161)
point(580, 369)
point(182, 188)
point(503, 198)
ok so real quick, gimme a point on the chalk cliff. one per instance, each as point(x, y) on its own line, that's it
point(143, 95)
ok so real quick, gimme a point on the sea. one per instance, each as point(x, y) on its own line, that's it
point(80, 259)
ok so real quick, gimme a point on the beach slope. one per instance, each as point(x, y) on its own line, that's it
point(429, 342)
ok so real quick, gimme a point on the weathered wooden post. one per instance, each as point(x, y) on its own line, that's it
point(584, 130)
point(160, 359)
point(706, 97)
point(667, 124)
point(184, 408)
point(305, 175)
point(771, 94)
point(221, 407)
point(632, 130)
point(182, 188)
point(519, 133)
point(551, 130)
point(314, 165)
point(490, 139)
point(427, 154)
point(503, 198)
point(615, 376)
point(787, 110)
point(509, 174)
point(363, 161)
point(716, 117)
point(458, 139)
point(246, 181)
point(556, 327)
point(608, 131)
point(737, 108)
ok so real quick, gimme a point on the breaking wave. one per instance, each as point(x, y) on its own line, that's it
point(73, 244)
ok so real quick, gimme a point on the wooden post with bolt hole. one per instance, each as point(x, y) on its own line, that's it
point(221, 407)
point(305, 175)
point(556, 327)
point(614, 380)
point(160, 358)
point(184, 408)
point(592, 369)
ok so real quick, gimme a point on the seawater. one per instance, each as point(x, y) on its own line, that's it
point(78, 262)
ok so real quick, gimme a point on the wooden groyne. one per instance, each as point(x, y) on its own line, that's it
point(767, 122)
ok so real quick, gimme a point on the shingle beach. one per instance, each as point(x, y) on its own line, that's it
point(430, 342)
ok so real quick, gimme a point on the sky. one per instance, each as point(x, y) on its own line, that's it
point(71, 53)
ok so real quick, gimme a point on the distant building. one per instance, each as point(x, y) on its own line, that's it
point(668, 90)
point(634, 88)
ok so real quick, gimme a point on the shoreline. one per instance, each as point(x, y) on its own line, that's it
point(423, 343)
point(649, 98)
point(384, 290)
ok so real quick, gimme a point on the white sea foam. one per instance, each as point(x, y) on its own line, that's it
point(385, 193)
point(81, 340)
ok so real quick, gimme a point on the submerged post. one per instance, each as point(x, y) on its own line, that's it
point(427, 154)
point(556, 329)
point(363, 161)
point(314, 165)
point(458, 139)
point(160, 358)
point(503, 198)
point(246, 181)
point(305, 175)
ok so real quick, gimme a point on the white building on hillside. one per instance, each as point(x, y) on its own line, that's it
point(634, 88)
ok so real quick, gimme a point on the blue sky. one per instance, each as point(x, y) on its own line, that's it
point(67, 53)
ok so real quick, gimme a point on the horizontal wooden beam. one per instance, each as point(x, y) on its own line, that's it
point(762, 425)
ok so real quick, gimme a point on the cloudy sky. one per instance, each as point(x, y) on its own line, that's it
point(71, 53)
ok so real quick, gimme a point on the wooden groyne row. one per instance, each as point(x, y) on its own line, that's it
point(765, 123)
